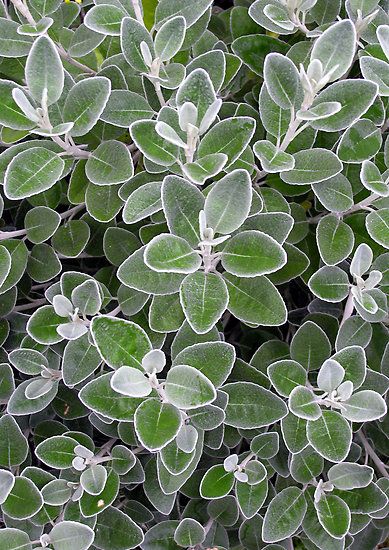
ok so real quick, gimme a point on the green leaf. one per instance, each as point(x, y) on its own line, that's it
point(283, 81)
point(303, 403)
point(204, 298)
point(170, 37)
point(377, 225)
point(330, 435)
point(348, 475)
point(41, 223)
point(372, 179)
point(44, 71)
point(7, 481)
point(13, 444)
point(275, 119)
point(5, 264)
point(19, 255)
point(365, 500)
point(205, 168)
point(143, 202)
point(99, 396)
point(153, 146)
point(254, 48)
point(8, 382)
point(312, 166)
point(56, 492)
point(79, 361)
point(284, 515)
point(171, 254)
point(42, 325)
point(188, 388)
point(377, 71)
point(165, 313)
point(104, 19)
point(229, 136)
point(265, 445)
point(335, 240)
point(330, 283)
point(335, 48)
point(134, 273)
point(57, 451)
point(174, 459)
point(192, 13)
point(87, 297)
point(18, 405)
point(189, 533)
point(313, 528)
point(285, 375)
point(255, 300)
point(272, 159)
point(306, 465)
point(229, 201)
point(251, 497)
point(214, 359)
point(156, 424)
point(364, 406)
point(359, 142)
point(244, 254)
point(182, 203)
point(125, 107)
point(93, 479)
point(85, 102)
point(119, 342)
point(115, 530)
point(217, 483)
point(13, 44)
point(336, 193)
point(66, 534)
point(132, 35)
point(31, 172)
point(102, 202)
point(109, 163)
point(334, 515)
point(24, 501)
point(310, 346)
point(355, 97)
point(11, 114)
point(354, 332)
point(252, 406)
point(90, 505)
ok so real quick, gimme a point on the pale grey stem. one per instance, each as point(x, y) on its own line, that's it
point(115, 311)
point(158, 91)
point(373, 455)
point(244, 462)
point(72, 211)
point(362, 204)
point(11, 234)
point(35, 303)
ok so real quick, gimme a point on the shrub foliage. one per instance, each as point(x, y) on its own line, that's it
point(194, 274)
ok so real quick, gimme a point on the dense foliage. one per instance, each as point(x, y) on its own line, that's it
point(194, 274)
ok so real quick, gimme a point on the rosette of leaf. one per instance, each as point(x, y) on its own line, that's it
point(206, 232)
point(340, 387)
point(183, 138)
point(74, 299)
point(331, 283)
